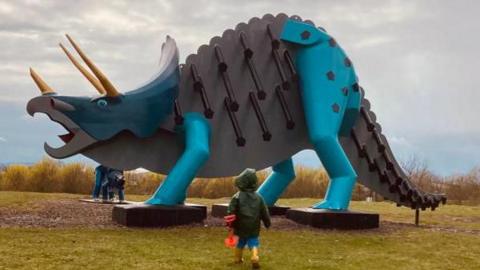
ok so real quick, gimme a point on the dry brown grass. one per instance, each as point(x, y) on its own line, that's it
point(48, 176)
point(53, 176)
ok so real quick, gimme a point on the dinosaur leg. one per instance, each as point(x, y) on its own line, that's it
point(341, 173)
point(323, 124)
point(172, 191)
point(326, 80)
point(276, 183)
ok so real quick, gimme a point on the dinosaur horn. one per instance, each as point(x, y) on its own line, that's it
point(96, 83)
point(107, 85)
point(42, 85)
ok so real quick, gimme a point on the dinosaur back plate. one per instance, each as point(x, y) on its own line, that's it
point(253, 131)
point(204, 74)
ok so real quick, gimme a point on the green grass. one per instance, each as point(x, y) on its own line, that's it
point(405, 247)
point(28, 199)
point(201, 248)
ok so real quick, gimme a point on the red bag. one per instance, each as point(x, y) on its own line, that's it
point(231, 240)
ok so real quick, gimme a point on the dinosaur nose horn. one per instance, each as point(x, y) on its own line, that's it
point(94, 81)
point(110, 90)
point(42, 85)
point(61, 105)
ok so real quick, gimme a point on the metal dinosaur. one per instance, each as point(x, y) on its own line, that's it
point(252, 98)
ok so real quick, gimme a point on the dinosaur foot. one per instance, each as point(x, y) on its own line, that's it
point(330, 205)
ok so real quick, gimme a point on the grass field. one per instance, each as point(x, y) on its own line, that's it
point(449, 238)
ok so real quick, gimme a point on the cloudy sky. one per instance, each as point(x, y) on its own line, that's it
point(417, 60)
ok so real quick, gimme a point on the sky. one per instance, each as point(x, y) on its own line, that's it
point(417, 60)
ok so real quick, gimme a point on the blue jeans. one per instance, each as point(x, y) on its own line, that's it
point(121, 194)
point(251, 242)
point(99, 175)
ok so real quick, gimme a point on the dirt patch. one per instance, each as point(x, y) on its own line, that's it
point(58, 213)
point(74, 213)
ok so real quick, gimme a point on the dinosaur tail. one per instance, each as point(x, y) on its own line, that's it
point(373, 160)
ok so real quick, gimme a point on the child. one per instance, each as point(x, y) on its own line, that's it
point(116, 182)
point(249, 208)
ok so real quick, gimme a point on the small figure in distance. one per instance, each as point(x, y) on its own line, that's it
point(116, 183)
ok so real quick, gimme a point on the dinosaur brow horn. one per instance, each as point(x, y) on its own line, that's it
point(107, 85)
point(96, 83)
point(42, 85)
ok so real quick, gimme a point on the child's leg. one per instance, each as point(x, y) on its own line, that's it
point(253, 244)
point(239, 250)
point(121, 194)
point(255, 259)
point(104, 193)
point(238, 255)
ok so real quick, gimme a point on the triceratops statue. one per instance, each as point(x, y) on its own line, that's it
point(251, 98)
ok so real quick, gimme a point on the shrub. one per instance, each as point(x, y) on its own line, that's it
point(53, 176)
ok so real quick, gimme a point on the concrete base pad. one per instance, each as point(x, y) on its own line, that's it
point(145, 215)
point(220, 210)
point(328, 219)
point(105, 202)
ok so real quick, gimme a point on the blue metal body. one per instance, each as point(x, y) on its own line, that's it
point(331, 103)
point(330, 100)
point(196, 132)
point(282, 175)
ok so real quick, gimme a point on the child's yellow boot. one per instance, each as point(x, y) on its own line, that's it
point(238, 255)
point(255, 259)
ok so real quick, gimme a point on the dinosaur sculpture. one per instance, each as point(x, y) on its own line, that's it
point(252, 98)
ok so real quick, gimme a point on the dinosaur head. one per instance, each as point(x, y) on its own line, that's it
point(89, 120)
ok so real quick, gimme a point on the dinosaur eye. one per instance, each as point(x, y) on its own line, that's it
point(102, 103)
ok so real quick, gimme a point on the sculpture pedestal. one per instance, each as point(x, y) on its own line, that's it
point(328, 219)
point(145, 215)
point(220, 210)
point(104, 202)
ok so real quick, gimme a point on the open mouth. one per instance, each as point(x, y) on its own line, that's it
point(67, 137)
point(75, 139)
point(71, 130)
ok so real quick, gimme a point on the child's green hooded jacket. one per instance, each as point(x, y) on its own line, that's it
point(248, 206)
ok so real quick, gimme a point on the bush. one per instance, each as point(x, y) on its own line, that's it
point(14, 177)
point(53, 176)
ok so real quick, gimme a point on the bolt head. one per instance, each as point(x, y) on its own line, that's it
point(335, 107)
point(332, 42)
point(305, 35)
point(356, 87)
point(241, 141)
point(347, 62)
point(331, 75)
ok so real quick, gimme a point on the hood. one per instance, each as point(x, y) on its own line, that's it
point(247, 180)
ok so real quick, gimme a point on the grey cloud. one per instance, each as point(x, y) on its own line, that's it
point(416, 59)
